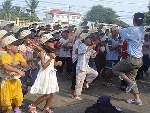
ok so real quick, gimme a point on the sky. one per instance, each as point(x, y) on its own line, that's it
point(124, 8)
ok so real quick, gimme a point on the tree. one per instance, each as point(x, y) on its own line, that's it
point(32, 4)
point(20, 13)
point(7, 8)
point(9, 12)
point(102, 15)
point(147, 17)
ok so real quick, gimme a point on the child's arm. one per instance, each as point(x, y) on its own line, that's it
point(59, 63)
point(22, 64)
point(91, 47)
point(46, 64)
point(94, 55)
point(10, 68)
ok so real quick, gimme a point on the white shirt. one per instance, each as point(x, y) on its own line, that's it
point(83, 57)
point(75, 46)
point(63, 51)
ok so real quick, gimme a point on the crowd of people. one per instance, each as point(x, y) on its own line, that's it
point(43, 53)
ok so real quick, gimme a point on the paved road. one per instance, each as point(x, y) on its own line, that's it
point(63, 103)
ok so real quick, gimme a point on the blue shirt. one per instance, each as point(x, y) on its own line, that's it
point(112, 55)
point(135, 40)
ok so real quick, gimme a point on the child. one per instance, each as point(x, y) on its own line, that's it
point(46, 82)
point(111, 56)
point(65, 55)
point(82, 68)
point(11, 63)
point(27, 51)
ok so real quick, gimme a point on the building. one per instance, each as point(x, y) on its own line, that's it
point(57, 15)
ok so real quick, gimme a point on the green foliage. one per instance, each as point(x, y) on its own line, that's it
point(147, 18)
point(33, 17)
point(102, 15)
point(7, 8)
point(32, 4)
point(9, 12)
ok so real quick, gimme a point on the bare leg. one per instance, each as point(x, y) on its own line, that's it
point(127, 80)
point(109, 76)
point(49, 100)
point(136, 97)
point(40, 100)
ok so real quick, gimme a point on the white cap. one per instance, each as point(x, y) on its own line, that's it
point(45, 38)
point(83, 36)
point(25, 33)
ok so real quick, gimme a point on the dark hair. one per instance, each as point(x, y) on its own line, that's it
point(138, 18)
point(107, 30)
point(47, 50)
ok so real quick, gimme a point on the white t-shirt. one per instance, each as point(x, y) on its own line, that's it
point(75, 46)
point(83, 57)
point(63, 51)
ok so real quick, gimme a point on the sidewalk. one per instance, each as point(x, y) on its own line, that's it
point(63, 103)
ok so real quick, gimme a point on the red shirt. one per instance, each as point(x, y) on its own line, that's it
point(124, 48)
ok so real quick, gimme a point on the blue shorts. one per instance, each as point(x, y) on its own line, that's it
point(110, 63)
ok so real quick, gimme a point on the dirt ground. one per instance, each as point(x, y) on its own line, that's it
point(63, 103)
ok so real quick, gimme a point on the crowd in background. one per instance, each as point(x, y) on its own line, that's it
point(85, 53)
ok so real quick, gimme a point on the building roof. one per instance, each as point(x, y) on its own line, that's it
point(57, 11)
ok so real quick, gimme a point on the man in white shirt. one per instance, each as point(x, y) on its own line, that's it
point(82, 68)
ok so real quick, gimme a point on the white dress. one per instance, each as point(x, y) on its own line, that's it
point(46, 81)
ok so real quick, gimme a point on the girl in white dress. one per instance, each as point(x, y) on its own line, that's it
point(46, 81)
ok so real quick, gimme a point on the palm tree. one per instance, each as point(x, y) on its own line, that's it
point(32, 4)
point(7, 7)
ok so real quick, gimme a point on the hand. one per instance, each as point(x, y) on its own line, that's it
point(52, 55)
point(94, 45)
point(15, 63)
point(59, 63)
point(21, 73)
point(34, 59)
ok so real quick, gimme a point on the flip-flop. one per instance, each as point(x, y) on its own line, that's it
point(30, 109)
point(47, 110)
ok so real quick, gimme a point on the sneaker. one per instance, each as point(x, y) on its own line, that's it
point(130, 87)
point(131, 101)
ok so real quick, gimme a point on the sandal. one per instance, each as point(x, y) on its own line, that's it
point(32, 109)
point(47, 110)
point(106, 84)
point(111, 84)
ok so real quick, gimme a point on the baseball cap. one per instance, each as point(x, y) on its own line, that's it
point(55, 32)
point(2, 33)
point(5, 23)
point(15, 29)
point(48, 38)
point(114, 28)
point(34, 24)
point(11, 40)
point(71, 25)
point(83, 36)
point(93, 30)
point(25, 33)
point(65, 30)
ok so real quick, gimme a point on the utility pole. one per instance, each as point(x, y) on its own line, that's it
point(149, 5)
point(69, 14)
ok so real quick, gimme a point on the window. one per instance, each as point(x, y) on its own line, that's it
point(78, 17)
point(57, 15)
point(73, 17)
